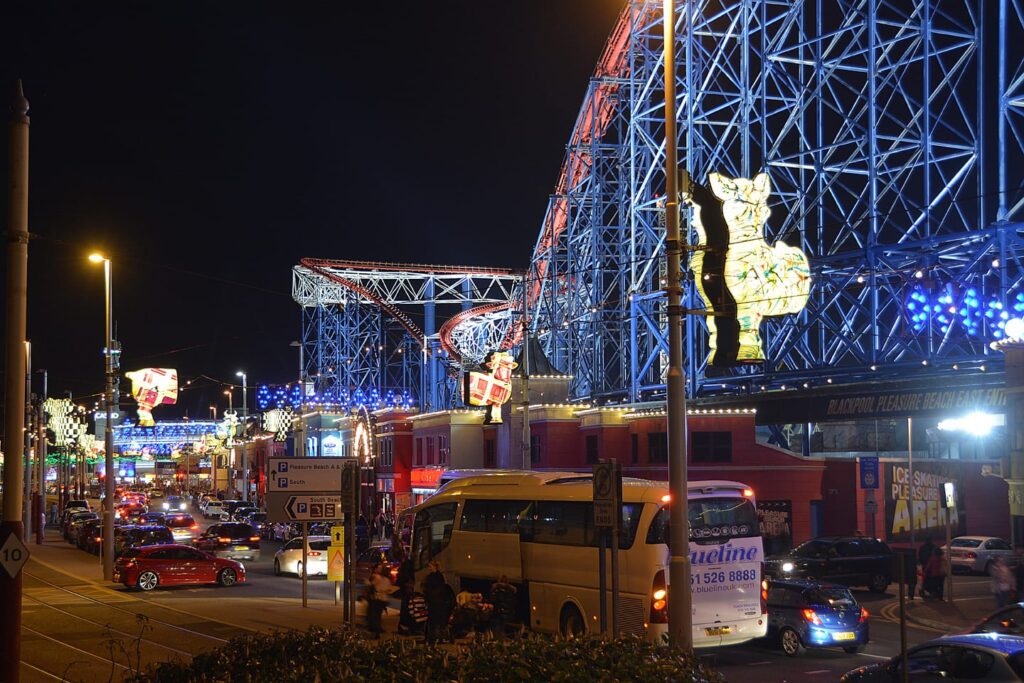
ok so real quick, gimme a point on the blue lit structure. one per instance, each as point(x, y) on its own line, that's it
point(162, 439)
point(893, 133)
point(270, 397)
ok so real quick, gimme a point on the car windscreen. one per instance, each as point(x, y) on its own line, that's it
point(319, 545)
point(710, 518)
point(813, 549)
point(180, 521)
point(832, 597)
point(965, 543)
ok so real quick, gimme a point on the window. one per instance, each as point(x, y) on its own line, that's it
point(572, 523)
point(430, 450)
point(712, 446)
point(419, 451)
point(997, 544)
point(535, 450)
point(489, 453)
point(592, 448)
point(294, 544)
point(712, 518)
point(442, 449)
point(657, 448)
point(432, 530)
point(188, 554)
point(163, 554)
point(320, 545)
point(634, 442)
point(492, 516)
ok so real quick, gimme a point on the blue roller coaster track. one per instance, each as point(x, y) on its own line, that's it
point(892, 132)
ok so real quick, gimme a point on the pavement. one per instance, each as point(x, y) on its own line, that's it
point(960, 615)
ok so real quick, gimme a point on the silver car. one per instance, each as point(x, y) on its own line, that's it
point(183, 527)
point(976, 553)
point(288, 560)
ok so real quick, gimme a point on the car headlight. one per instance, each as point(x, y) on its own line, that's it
point(788, 566)
point(167, 506)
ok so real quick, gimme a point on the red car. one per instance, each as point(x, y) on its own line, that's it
point(147, 567)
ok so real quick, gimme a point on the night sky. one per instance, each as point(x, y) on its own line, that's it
point(206, 147)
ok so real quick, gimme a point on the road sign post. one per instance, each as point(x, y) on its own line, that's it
point(349, 503)
point(607, 483)
point(336, 562)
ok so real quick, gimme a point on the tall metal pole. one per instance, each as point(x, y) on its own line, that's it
point(680, 611)
point(14, 368)
point(108, 440)
point(28, 438)
point(41, 460)
point(245, 414)
point(910, 474)
point(527, 439)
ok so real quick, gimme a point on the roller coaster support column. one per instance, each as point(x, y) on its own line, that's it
point(1014, 352)
point(680, 612)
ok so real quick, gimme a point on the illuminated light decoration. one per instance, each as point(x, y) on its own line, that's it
point(163, 438)
point(343, 400)
point(751, 279)
point(61, 420)
point(152, 387)
point(364, 437)
point(976, 424)
point(969, 312)
point(491, 389)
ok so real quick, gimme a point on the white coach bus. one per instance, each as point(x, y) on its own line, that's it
point(537, 528)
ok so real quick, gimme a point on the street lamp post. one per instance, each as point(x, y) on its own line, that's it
point(244, 465)
point(680, 602)
point(108, 434)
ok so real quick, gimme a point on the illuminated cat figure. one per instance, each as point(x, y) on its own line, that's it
point(739, 276)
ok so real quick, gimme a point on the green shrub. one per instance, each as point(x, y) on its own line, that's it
point(330, 655)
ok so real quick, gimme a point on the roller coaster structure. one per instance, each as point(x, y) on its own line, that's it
point(892, 133)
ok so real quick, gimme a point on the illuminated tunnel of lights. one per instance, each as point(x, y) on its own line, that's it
point(893, 133)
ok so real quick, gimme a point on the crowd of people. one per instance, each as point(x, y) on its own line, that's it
point(432, 610)
point(929, 565)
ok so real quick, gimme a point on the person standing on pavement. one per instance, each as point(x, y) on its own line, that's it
point(53, 514)
point(935, 575)
point(440, 603)
point(1002, 581)
point(924, 553)
point(503, 597)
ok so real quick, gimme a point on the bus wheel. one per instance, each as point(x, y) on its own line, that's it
point(572, 622)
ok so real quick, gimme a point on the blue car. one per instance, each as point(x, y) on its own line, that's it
point(971, 656)
point(804, 613)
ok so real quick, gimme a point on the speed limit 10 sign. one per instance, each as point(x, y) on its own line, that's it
point(13, 555)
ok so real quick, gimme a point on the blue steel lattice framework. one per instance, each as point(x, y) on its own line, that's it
point(370, 327)
point(892, 133)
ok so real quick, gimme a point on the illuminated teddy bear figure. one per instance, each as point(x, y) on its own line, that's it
point(740, 277)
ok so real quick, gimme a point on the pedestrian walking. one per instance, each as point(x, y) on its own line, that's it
point(440, 603)
point(1002, 581)
point(503, 597)
point(53, 514)
point(380, 594)
point(389, 527)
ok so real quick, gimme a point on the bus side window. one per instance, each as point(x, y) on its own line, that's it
point(432, 531)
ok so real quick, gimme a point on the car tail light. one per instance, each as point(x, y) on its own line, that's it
point(972, 556)
point(863, 615)
point(394, 573)
point(194, 527)
point(812, 616)
point(223, 539)
point(99, 538)
point(313, 553)
point(659, 599)
point(256, 539)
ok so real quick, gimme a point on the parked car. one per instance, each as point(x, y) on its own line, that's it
point(91, 536)
point(977, 553)
point(231, 505)
point(80, 505)
point(367, 560)
point(230, 539)
point(1008, 619)
point(975, 656)
point(75, 526)
point(174, 503)
point(214, 509)
point(80, 528)
point(809, 614)
point(167, 565)
point(183, 527)
point(129, 537)
point(848, 560)
point(71, 518)
point(288, 560)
